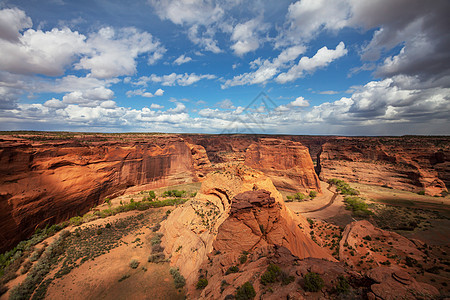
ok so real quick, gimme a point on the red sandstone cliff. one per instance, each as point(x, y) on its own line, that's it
point(46, 183)
point(412, 164)
point(287, 163)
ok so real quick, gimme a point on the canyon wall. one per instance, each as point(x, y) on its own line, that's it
point(287, 163)
point(406, 163)
point(46, 183)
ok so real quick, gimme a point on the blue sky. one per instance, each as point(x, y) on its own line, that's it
point(341, 67)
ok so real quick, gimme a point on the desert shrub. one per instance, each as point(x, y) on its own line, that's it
point(271, 275)
point(157, 248)
point(134, 264)
point(342, 285)
point(367, 238)
point(201, 283)
point(156, 227)
point(26, 267)
point(243, 258)
point(108, 225)
point(156, 257)
point(43, 266)
point(411, 262)
point(156, 239)
point(286, 278)
point(178, 279)
point(289, 199)
point(343, 187)
point(232, 269)
point(357, 206)
point(310, 221)
point(76, 221)
point(299, 196)
point(151, 195)
point(245, 292)
point(421, 192)
point(174, 193)
point(124, 277)
point(193, 194)
point(313, 282)
point(313, 194)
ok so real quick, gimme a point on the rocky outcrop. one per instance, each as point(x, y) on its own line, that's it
point(413, 164)
point(361, 241)
point(238, 209)
point(396, 283)
point(46, 183)
point(287, 163)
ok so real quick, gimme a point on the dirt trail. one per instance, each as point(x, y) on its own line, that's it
point(326, 205)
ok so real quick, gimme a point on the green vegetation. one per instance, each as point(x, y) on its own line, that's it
point(156, 239)
point(243, 258)
point(342, 285)
point(11, 260)
point(357, 206)
point(201, 283)
point(312, 194)
point(134, 264)
point(174, 193)
point(124, 277)
point(343, 187)
point(313, 282)
point(40, 270)
point(296, 197)
point(151, 195)
point(421, 193)
point(271, 275)
point(232, 269)
point(178, 279)
point(245, 292)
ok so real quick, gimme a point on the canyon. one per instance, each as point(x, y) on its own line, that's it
point(243, 224)
point(46, 178)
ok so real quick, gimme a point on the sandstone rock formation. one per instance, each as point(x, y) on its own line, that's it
point(46, 183)
point(361, 241)
point(396, 283)
point(415, 164)
point(287, 163)
point(236, 210)
point(411, 163)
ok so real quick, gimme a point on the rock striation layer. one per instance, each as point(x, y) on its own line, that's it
point(415, 164)
point(287, 163)
point(46, 183)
